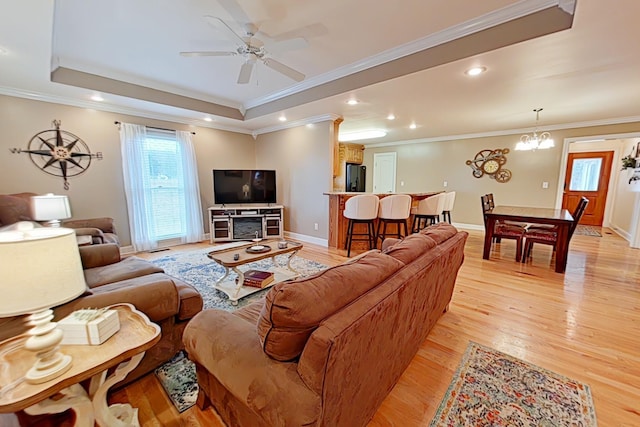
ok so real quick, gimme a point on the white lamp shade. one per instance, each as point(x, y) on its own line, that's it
point(39, 269)
point(50, 207)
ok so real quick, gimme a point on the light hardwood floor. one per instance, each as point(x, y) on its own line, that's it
point(584, 324)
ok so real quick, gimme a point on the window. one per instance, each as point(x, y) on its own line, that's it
point(161, 186)
point(585, 174)
point(164, 178)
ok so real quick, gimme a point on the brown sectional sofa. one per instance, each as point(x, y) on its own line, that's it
point(325, 350)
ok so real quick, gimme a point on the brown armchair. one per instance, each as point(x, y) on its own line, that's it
point(17, 207)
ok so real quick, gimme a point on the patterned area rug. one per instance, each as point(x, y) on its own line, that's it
point(587, 230)
point(178, 376)
point(199, 271)
point(491, 388)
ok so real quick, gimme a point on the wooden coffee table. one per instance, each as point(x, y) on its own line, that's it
point(226, 258)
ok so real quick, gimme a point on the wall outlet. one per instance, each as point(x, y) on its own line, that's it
point(545, 184)
point(401, 183)
point(444, 184)
point(315, 226)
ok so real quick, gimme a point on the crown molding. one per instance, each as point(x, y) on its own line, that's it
point(575, 125)
point(296, 123)
point(101, 106)
point(491, 19)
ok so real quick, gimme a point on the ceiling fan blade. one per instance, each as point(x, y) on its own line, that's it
point(283, 69)
point(208, 53)
point(218, 23)
point(245, 71)
point(235, 10)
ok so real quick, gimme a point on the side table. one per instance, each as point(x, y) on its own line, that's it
point(124, 350)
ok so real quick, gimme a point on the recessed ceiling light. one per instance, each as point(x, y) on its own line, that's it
point(475, 71)
point(413, 126)
point(97, 97)
point(282, 118)
point(352, 101)
point(365, 134)
point(208, 119)
point(310, 125)
point(391, 117)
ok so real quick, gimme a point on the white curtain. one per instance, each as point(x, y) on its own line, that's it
point(135, 165)
point(193, 208)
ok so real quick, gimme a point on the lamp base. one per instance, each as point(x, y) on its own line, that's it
point(44, 341)
point(37, 375)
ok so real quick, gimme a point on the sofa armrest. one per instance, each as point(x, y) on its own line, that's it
point(105, 224)
point(155, 295)
point(99, 255)
point(96, 234)
point(228, 347)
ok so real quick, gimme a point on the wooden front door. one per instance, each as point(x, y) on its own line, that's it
point(588, 175)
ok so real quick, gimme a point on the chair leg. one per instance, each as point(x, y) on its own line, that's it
point(349, 238)
point(406, 232)
point(518, 250)
point(372, 235)
point(378, 231)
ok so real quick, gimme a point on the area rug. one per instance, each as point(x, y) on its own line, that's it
point(178, 376)
point(199, 271)
point(491, 388)
point(587, 230)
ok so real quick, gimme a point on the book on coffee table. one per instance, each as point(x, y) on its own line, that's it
point(258, 278)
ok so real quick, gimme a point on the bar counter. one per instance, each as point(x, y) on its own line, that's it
point(338, 223)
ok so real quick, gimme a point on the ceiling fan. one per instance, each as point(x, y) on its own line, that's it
point(253, 49)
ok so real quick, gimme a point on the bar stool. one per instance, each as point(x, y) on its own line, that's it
point(394, 209)
point(428, 211)
point(448, 206)
point(361, 209)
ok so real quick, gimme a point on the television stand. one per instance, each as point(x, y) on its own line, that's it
point(242, 222)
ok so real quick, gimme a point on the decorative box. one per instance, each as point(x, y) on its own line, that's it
point(89, 326)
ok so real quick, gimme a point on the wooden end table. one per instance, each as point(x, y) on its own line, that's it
point(226, 258)
point(124, 350)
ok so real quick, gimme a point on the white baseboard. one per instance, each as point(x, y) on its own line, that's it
point(620, 232)
point(468, 226)
point(308, 239)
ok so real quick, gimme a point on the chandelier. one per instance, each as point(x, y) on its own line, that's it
point(542, 141)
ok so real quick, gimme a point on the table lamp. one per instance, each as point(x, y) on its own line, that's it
point(40, 268)
point(50, 208)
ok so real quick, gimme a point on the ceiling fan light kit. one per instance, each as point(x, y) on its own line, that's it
point(536, 141)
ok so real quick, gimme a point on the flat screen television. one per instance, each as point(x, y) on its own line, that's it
point(234, 186)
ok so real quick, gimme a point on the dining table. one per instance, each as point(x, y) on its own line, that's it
point(561, 218)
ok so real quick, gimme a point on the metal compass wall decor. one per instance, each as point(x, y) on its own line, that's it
point(59, 153)
point(490, 162)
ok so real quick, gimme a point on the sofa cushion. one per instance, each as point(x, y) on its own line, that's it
point(440, 232)
point(128, 268)
point(411, 247)
point(294, 309)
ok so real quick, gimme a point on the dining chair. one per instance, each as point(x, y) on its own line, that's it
point(448, 206)
point(361, 209)
point(393, 209)
point(503, 230)
point(549, 235)
point(428, 211)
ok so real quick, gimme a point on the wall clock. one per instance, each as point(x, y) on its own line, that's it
point(490, 163)
point(59, 153)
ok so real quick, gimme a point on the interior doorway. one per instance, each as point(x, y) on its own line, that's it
point(588, 175)
point(384, 172)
